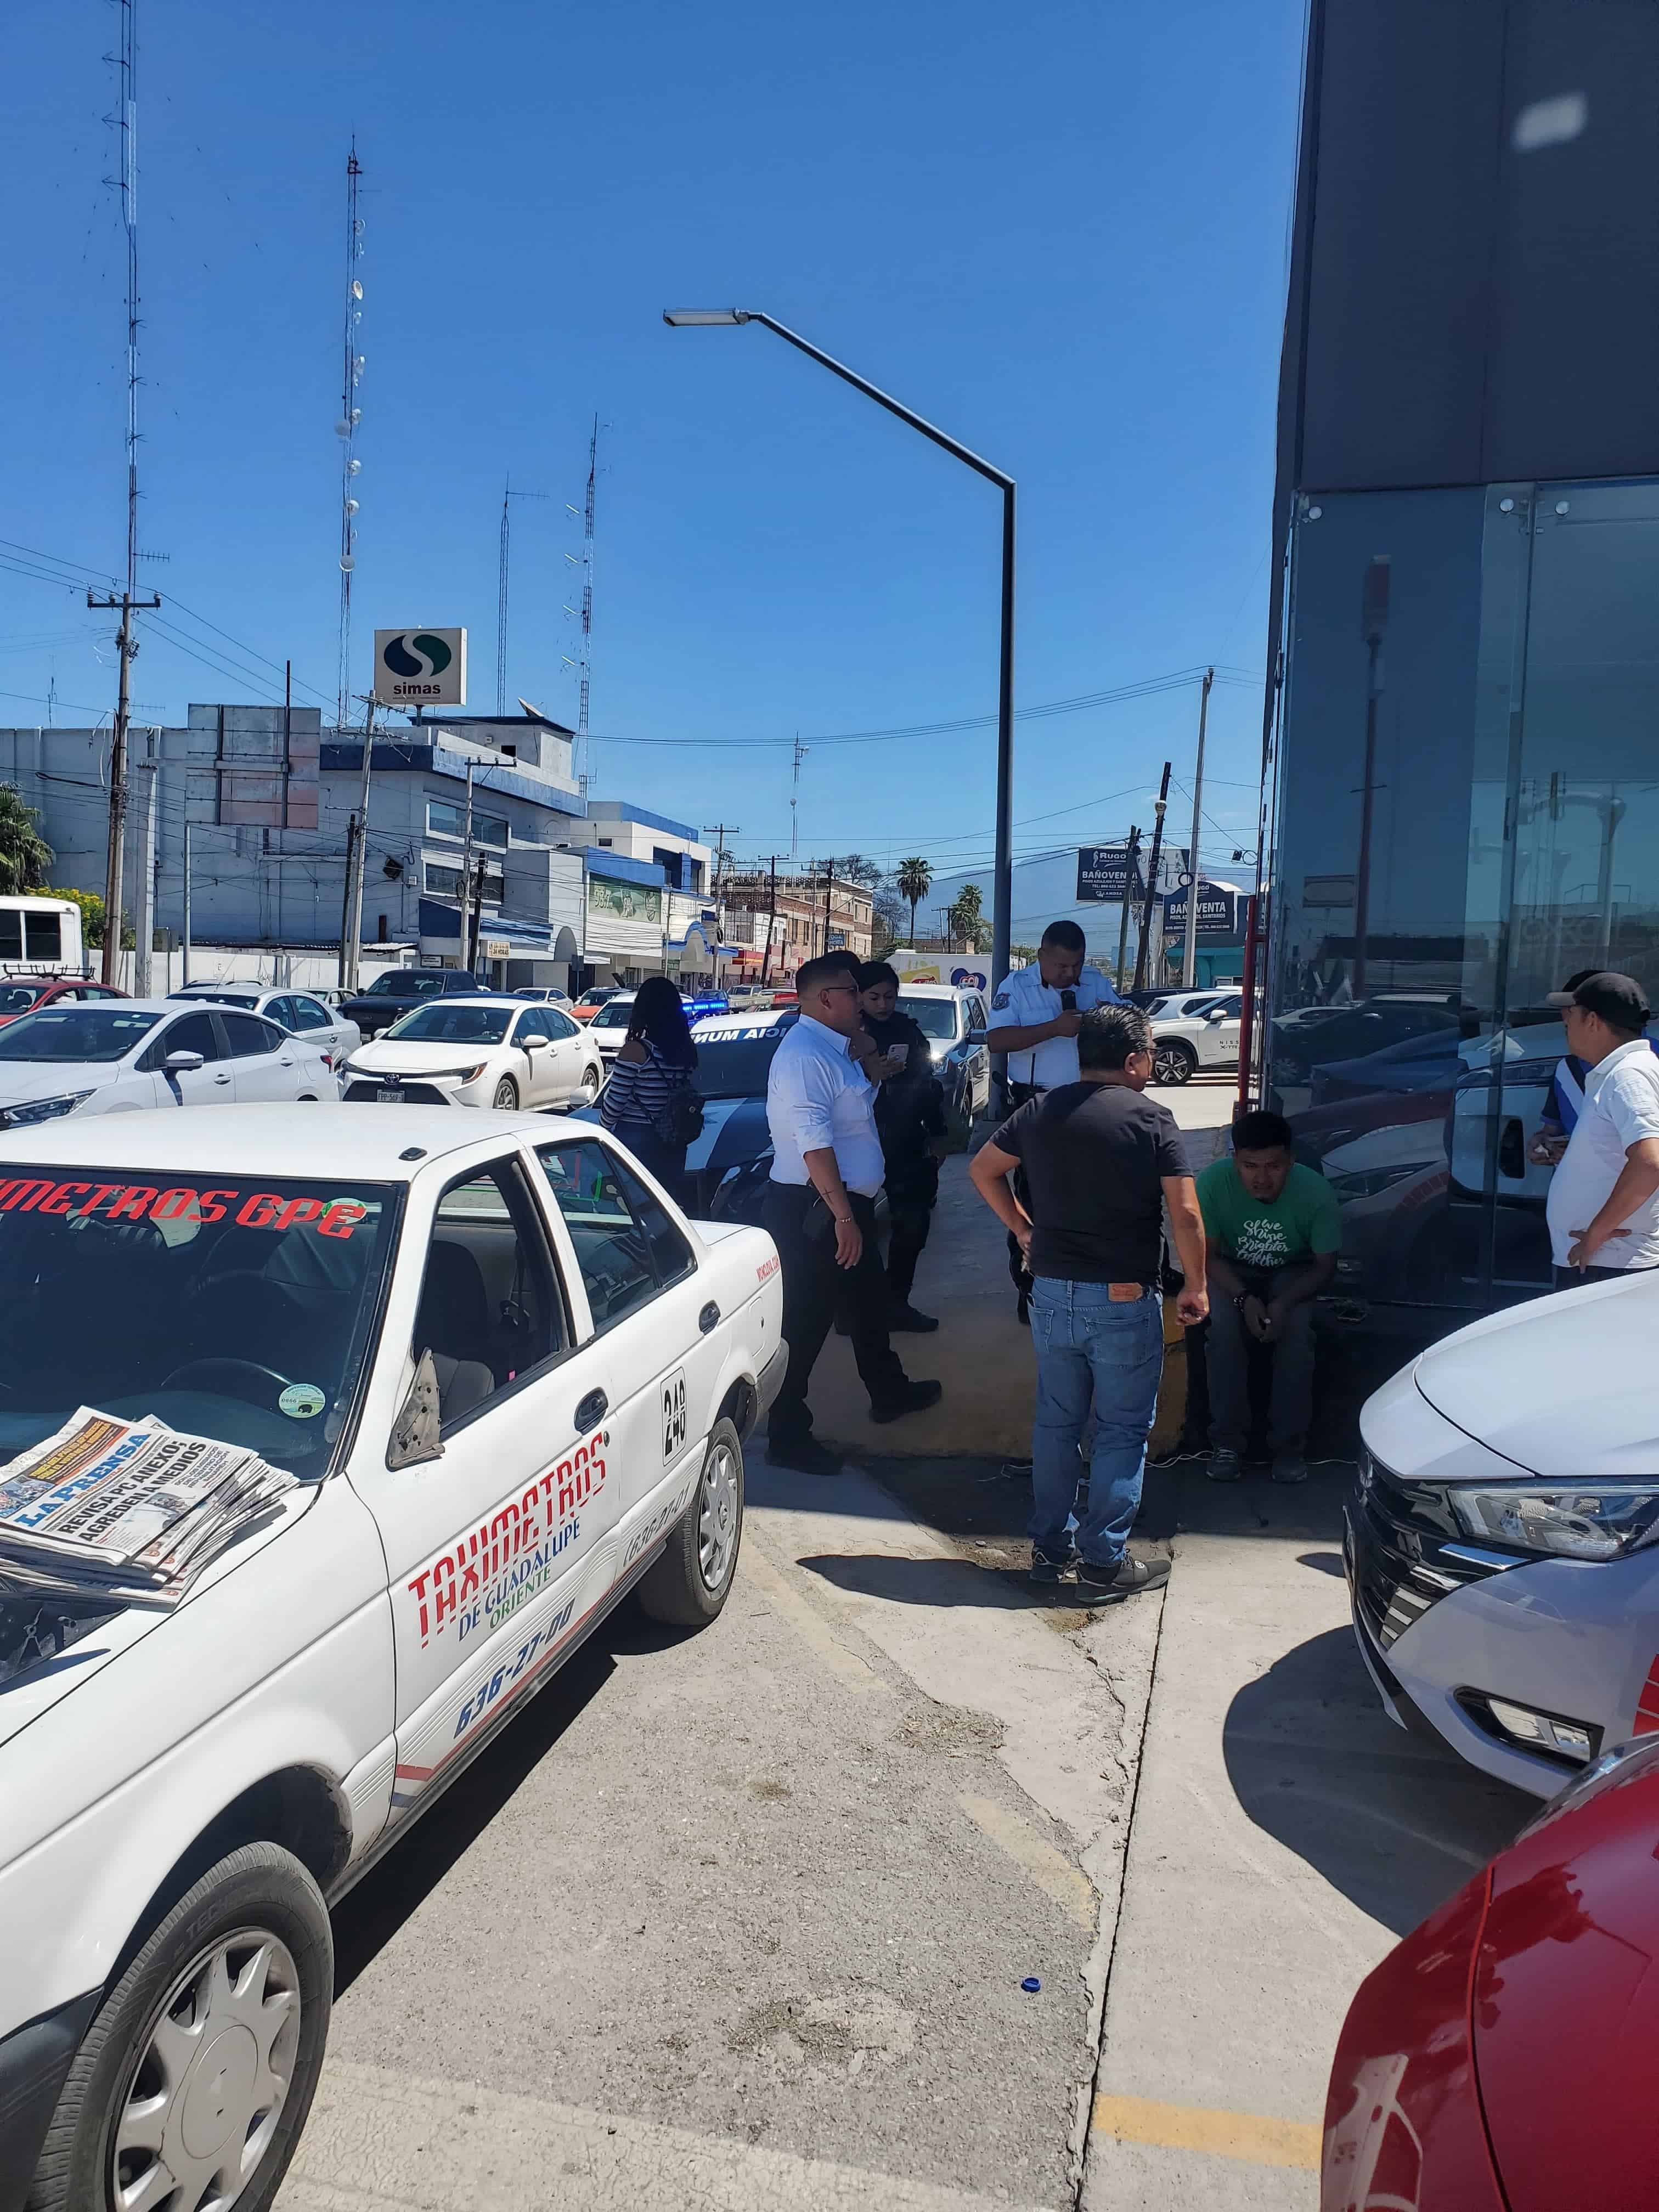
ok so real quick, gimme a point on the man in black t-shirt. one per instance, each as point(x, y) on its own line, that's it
point(1101, 1163)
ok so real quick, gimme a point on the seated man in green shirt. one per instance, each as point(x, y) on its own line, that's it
point(1272, 1231)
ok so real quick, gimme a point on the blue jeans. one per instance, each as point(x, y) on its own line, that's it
point(1090, 1351)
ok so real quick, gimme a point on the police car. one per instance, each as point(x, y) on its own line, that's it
point(510, 1384)
point(1503, 1543)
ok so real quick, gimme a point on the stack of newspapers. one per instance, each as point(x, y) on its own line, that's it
point(127, 1512)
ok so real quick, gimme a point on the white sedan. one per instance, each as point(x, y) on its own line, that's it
point(496, 1052)
point(301, 1014)
point(511, 1383)
point(128, 1054)
point(609, 1027)
point(1503, 1541)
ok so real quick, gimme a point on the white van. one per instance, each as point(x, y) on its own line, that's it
point(40, 936)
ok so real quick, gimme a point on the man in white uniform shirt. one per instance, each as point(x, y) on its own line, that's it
point(1034, 1017)
point(827, 1167)
point(1603, 1205)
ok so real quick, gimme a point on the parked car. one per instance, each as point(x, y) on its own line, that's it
point(24, 994)
point(300, 1012)
point(1501, 1541)
point(747, 998)
point(953, 1022)
point(609, 1027)
point(120, 1057)
point(590, 1002)
point(513, 1384)
point(545, 994)
point(393, 994)
point(1300, 1042)
point(494, 1052)
point(1183, 1044)
point(1500, 2058)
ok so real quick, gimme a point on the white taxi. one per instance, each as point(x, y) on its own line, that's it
point(513, 1382)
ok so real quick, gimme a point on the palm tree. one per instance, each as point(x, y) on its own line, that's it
point(967, 916)
point(914, 879)
point(25, 855)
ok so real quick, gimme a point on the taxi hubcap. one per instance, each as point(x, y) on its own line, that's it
point(717, 1516)
point(210, 2088)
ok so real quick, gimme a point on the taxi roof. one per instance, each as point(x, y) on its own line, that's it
point(354, 1142)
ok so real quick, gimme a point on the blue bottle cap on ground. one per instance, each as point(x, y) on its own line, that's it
point(1030, 1984)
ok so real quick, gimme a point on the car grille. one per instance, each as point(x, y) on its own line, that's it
point(1397, 1561)
point(409, 1094)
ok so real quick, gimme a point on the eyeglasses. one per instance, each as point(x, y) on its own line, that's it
point(824, 989)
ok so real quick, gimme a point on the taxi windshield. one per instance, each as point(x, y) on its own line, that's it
point(459, 1023)
point(934, 1018)
point(81, 1033)
point(236, 1307)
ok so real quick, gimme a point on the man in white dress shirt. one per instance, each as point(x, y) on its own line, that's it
point(1603, 1204)
point(827, 1168)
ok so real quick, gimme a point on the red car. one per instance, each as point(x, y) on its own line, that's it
point(24, 994)
point(1500, 2059)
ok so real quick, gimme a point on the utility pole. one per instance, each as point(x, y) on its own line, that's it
point(184, 977)
point(345, 428)
point(472, 918)
point(288, 735)
point(466, 862)
point(1132, 855)
point(829, 886)
point(345, 905)
point(795, 803)
point(1161, 808)
point(356, 855)
point(1189, 951)
point(144, 878)
point(771, 922)
point(722, 859)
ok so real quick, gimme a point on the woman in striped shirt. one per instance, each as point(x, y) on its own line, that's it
point(651, 1083)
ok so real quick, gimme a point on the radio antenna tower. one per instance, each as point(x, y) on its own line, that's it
point(500, 592)
point(585, 650)
point(346, 429)
point(794, 804)
point(126, 645)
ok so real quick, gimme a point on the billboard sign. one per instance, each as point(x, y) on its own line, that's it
point(1218, 911)
point(1101, 872)
point(417, 667)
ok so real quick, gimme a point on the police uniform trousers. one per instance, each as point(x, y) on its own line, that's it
point(813, 1286)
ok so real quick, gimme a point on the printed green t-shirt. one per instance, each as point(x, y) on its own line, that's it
point(1302, 1219)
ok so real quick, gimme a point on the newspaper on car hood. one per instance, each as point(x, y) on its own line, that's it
point(131, 1510)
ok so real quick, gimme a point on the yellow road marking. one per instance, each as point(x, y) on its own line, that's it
point(1051, 1870)
point(785, 1601)
point(1224, 2135)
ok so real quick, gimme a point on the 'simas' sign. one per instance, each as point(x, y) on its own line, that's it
point(420, 667)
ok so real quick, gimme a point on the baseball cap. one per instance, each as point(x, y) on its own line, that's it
point(1619, 1000)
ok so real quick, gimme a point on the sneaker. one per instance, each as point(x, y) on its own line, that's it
point(805, 1454)
point(1047, 1567)
point(915, 1398)
point(1225, 1466)
point(1105, 1585)
point(905, 1321)
point(1290, 1467)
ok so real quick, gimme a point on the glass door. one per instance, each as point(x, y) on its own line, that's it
point(1583, 807)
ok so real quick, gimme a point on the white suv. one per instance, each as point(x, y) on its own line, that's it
point(1183, 1044)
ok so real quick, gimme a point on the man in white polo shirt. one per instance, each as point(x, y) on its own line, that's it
point(1603, 1205)
point(1034, 1017)
point(827, 1167)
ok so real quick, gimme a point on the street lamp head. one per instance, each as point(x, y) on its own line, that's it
point(692, 319)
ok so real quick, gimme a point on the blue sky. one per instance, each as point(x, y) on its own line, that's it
point(1058, 230)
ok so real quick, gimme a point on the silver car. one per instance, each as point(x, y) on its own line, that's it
point(301, 1014)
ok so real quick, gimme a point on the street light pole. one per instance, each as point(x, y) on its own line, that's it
point(1002, 891)
point(1189, 950)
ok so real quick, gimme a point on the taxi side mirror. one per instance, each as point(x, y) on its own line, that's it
point(414, 1433)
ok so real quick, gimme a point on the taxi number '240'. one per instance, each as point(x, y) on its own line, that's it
point(673, 1416)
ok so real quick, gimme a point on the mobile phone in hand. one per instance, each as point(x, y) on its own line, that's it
point(1068, 1002)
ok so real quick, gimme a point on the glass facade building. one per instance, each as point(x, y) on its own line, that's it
point(1464, 757)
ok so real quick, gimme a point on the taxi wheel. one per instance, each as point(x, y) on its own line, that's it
point(196, 2078)
point(506, 1100)
point(689, 1584)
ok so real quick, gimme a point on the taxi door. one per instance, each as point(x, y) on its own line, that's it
point(496, 1550)
point(656, 1336)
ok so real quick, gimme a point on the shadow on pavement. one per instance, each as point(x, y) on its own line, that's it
point(370, 1915)
point(939, 1584)
point(1393, 1820)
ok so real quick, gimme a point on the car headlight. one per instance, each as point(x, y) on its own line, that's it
point(1602, 1521)
point(40, 1109)
point(452, 1074)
